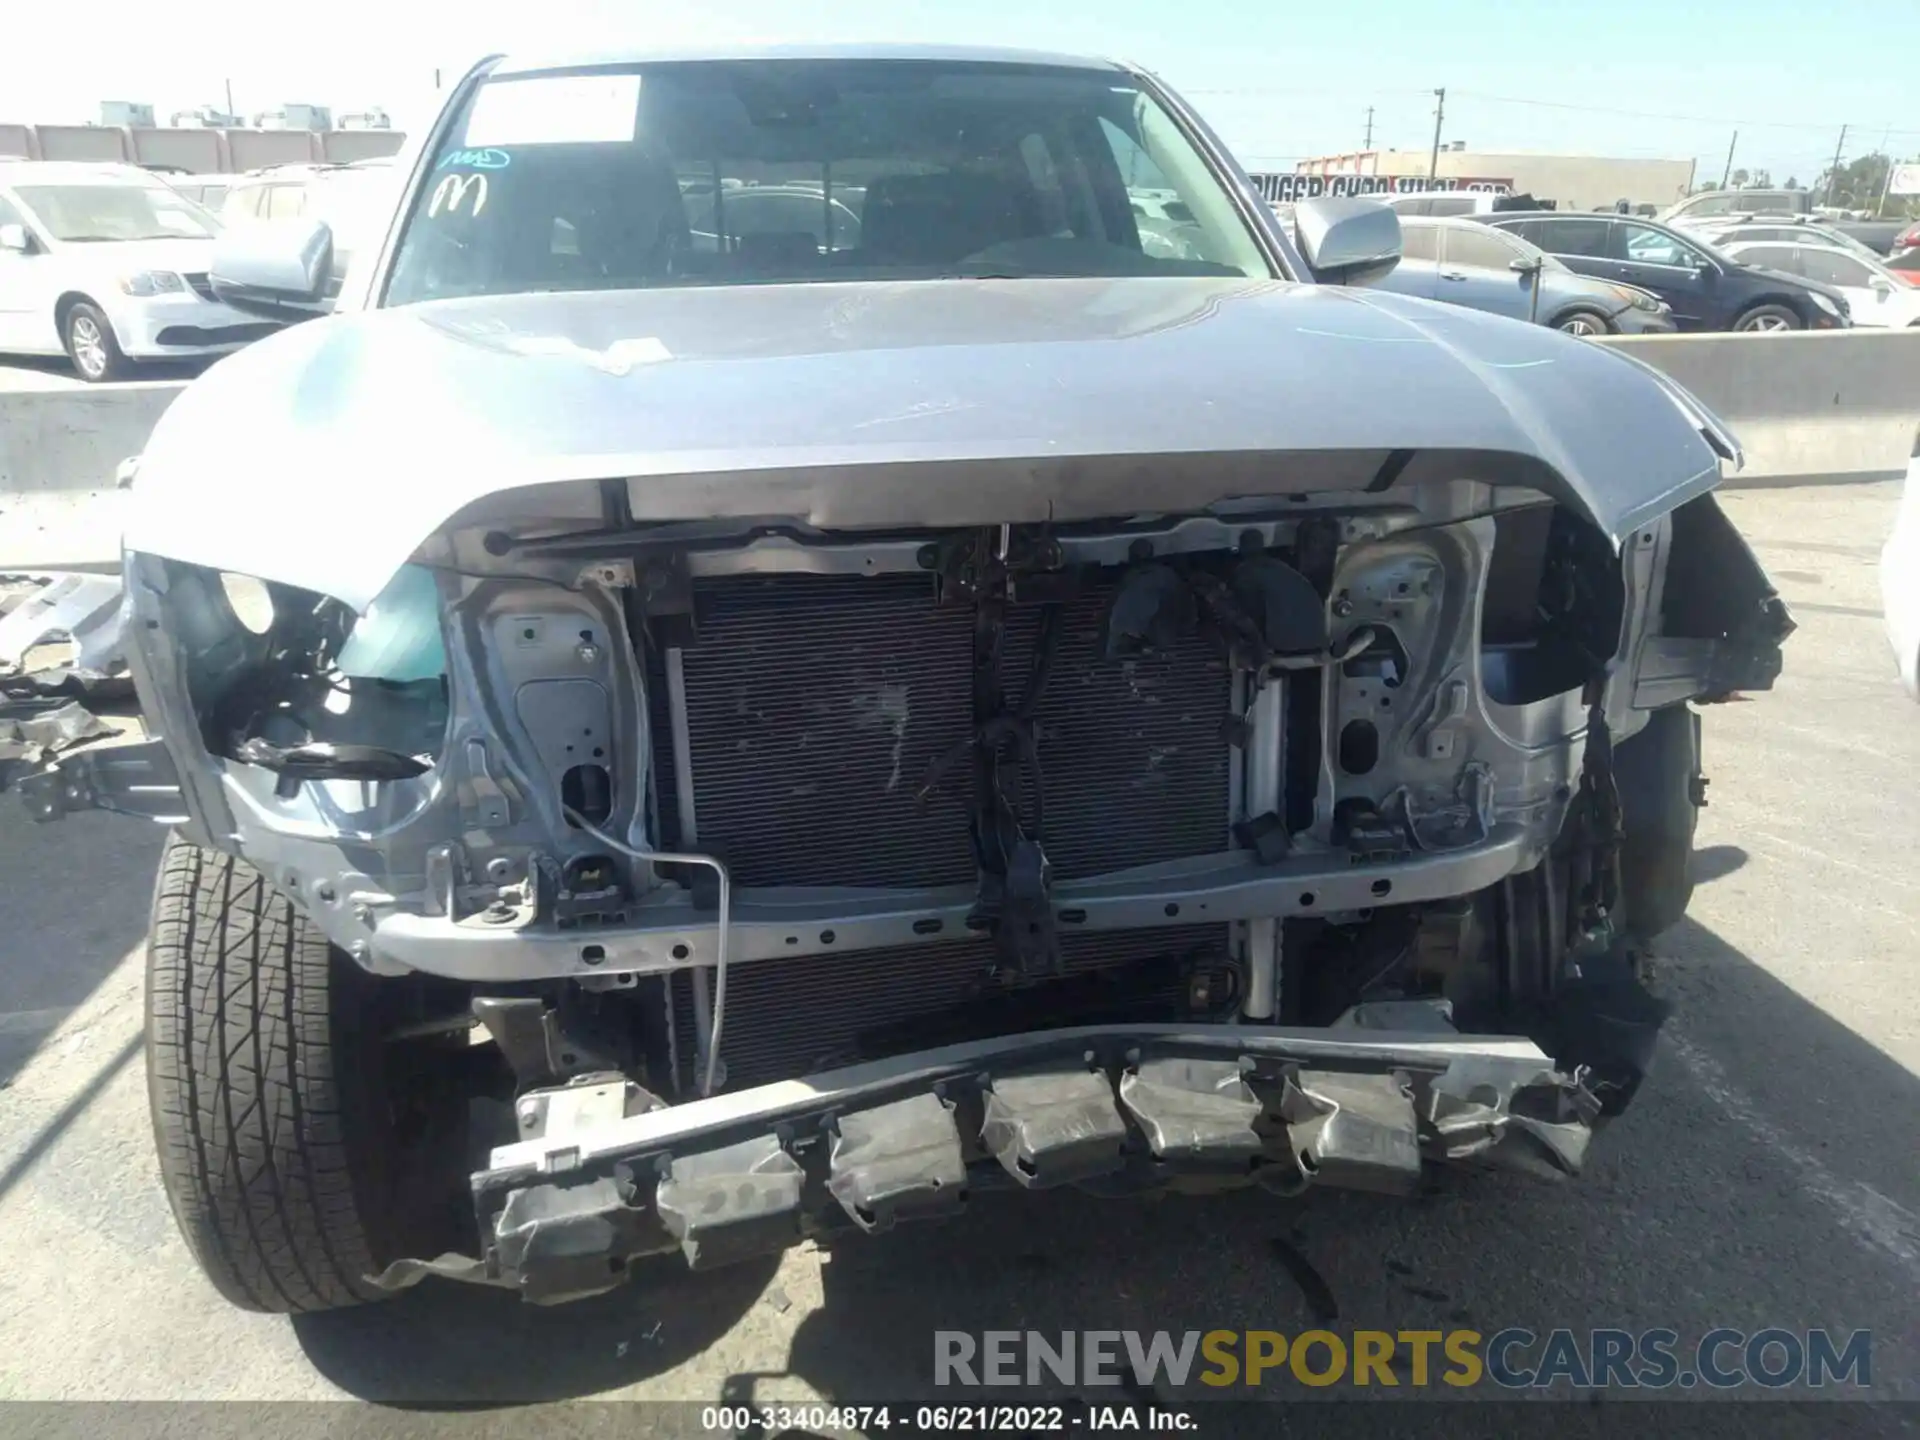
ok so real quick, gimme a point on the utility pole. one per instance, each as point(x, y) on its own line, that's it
point(230, 109)
point(1726, 175)
point(1439, 115)
point(1367, 144)
point(1834, 173)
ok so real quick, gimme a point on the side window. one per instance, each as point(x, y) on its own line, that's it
point(286, 202)
point(1773, 257)
point(1654, 247)
point(1834, 268)
point(1484, 249)
point(10, 215)
point(1575, 237)
point(1451, 205)
point(1711, 205)
point(1420, 242)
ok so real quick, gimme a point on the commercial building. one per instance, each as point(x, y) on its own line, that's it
point(1572, 182)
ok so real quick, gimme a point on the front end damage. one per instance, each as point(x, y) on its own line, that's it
point(778, 844)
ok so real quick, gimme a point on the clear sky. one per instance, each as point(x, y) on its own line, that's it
point(1670, 78)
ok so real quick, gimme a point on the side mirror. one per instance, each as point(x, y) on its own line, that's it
point(1881, 287)
point(1347, 241)
point(278, 269)
point(16, 239)
point(1521, 265)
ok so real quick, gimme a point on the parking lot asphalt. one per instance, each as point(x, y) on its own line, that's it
point(1766, 1176)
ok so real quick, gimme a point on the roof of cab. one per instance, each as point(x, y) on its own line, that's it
point(528, 62)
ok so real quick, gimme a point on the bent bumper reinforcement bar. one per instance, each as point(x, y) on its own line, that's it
point(769, 924)
point(606, 1173)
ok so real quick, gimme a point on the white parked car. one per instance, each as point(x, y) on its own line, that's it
point(1876, 296)
point(1769, 230)
point(107, 264)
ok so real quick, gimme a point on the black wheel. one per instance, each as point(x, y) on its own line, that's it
point(1766, 319)
point(1583, 322)
point(90, 344)
point(264, 1078)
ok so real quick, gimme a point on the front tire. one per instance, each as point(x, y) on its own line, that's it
point(1767, 319)
point(1583, 322)
point(88, 336)
point(263, 1074)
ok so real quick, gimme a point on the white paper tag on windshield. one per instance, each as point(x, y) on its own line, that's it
point(555, 110)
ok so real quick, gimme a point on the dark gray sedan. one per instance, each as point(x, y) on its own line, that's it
point(1466, 263)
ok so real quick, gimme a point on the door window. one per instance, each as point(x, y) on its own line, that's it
point(1574, 237)
point(1483, 248)
point(1646, 246)
point(1419, 242)
point(1772, 257)
point(1834, 268)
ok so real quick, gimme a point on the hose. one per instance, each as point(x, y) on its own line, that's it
point(709, 1078)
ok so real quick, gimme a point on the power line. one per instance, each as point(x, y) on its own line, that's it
point(1284, 91)
point(1659, 115)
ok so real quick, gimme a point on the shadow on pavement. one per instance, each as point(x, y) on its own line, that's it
point(448, 1344)
point(1690, 1216)
point(1716, 862)
point(73, 902)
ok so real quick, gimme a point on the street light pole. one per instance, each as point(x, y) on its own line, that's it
point(1726, 175)
point(1439, 115)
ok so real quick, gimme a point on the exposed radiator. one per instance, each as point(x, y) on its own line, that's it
point(791, 1017)
point(817, 707)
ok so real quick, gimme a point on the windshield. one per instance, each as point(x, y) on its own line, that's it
point(81, 214)
point(781, 171)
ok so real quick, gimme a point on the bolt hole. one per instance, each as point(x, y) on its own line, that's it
point(793, 939)
point(928, 927)
point(680, 952)
point(826, 937)
point(598, 753)
point(327, 895)
point(1386, 703)
point(567, 1057)
point(1401, 588)
point(529, 633)
point(592, 954)
point(1172, 909)
point(587, 635)
point(1306, 898)
point(1382, 887)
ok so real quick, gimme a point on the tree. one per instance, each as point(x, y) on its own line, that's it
point(1739, 179)
point(1763, 179)
point(1856, 185)
point(1793, 182)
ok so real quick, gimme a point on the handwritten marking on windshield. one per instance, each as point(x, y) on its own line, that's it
point(452, 192)
point(488, 159)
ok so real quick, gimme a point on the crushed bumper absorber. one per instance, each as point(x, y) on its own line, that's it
point(1116, 1108)
point(1356, 1131)
point(1054, 1128)
point(726, 1205)
point(1196, 1112)
point(898, 1162)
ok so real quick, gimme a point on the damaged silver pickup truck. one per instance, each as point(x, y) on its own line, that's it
point(792, 651)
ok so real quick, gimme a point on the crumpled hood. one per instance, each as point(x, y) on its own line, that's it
point(324, 456)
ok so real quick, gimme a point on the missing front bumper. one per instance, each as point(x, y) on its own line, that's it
point(606, 1175)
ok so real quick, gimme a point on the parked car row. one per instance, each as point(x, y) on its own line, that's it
point(107, 264)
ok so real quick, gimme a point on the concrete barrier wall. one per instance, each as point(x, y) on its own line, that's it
point(1821, 407)
point(59, 450)
point(1831, 405)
